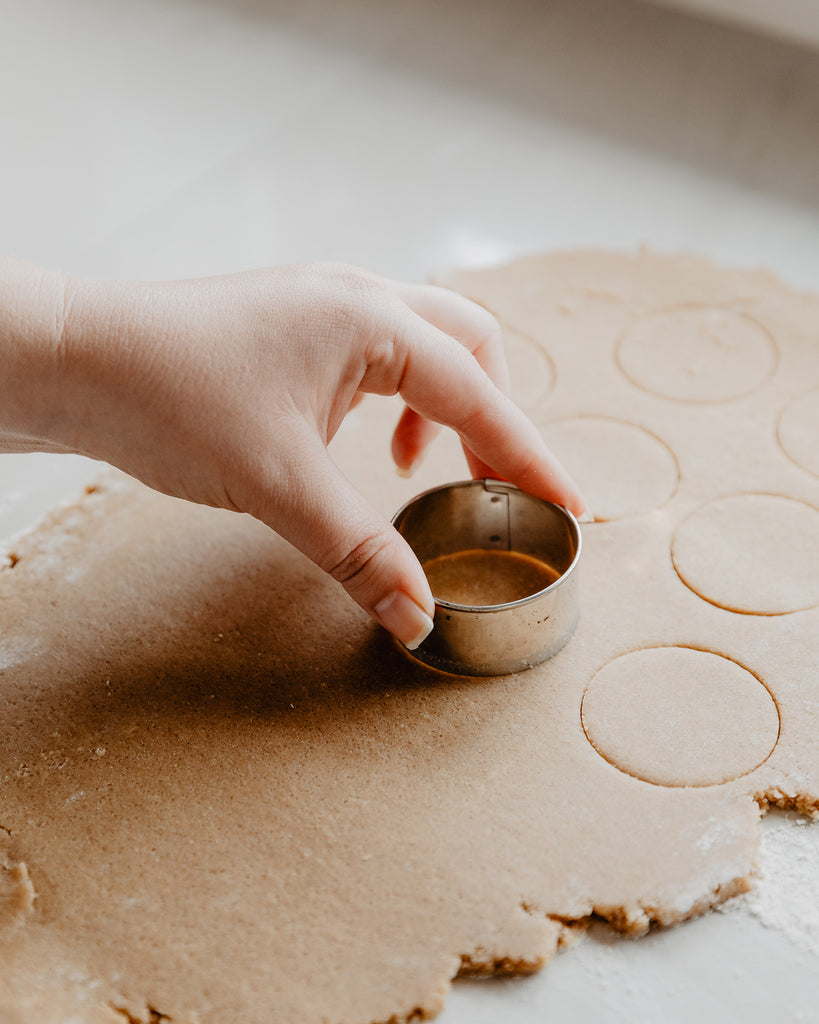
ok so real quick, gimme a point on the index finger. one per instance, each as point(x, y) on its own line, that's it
point(442, 381)
point(479, 332)
point(461, 318)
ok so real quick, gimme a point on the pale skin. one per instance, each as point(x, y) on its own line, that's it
point(226, 391)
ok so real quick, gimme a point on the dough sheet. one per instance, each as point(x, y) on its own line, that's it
point(225, 795)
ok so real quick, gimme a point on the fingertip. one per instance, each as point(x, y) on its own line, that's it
point(412, 437)
point(402, 616)
point(408, 609)
point(405, 472)
point(575, 501)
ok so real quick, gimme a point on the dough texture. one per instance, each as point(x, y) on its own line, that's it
point(753, 553)
point(225, 795)
point(799, 430)
point(621, 469)
point(697, 353)
point(680, 717)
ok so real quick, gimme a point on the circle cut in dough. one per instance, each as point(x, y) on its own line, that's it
point(622, 470)
point(678, 716)
point(799, 430)
point(531, 369)
point(751, 553)
point(697, 354)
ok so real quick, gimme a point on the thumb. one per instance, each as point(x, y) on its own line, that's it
point(326, 518)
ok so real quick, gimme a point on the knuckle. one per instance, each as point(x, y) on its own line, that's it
point(340, 273)
point(360, 303)
point(482, 323)
point(386, 362)
point(359, 565)
point(351, 286)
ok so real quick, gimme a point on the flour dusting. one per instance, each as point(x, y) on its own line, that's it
point(787, 895)
point(15, 652)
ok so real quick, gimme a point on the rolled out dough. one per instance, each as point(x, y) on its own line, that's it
point(226, 796)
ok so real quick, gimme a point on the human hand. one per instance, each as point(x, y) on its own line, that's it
point(226, 391)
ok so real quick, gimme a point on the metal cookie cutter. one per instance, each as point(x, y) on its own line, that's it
point(488, 640)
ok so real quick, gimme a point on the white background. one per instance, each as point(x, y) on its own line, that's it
point(156, 138)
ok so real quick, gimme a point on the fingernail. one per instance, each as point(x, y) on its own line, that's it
point(404, 619)
point(407, 472)
point(585, 516)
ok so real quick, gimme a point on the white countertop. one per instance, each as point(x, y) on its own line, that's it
point(154, 138)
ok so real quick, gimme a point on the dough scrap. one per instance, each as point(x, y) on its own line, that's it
point(16, 893)
point(236, 798)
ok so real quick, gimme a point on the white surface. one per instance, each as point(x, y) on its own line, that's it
point(177, 137)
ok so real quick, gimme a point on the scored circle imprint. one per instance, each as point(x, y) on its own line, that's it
point(751, 553)
point(697, 353)
point(799, 430)
point(532, 370)
point(679, 716)
point(621, 469)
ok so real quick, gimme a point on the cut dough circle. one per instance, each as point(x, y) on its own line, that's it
point(751, 553)
point(697, 354)
point(622, 469)
point(799, 430)
point(678, 716)
point(531, 369)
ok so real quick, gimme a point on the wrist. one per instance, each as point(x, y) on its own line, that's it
point(33, 304)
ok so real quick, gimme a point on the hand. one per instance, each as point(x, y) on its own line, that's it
point(226, 391)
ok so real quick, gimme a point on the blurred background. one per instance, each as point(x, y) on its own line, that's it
point(174, 138)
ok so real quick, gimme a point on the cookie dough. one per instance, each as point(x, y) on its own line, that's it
point(236, 800)
point(753, 553)
point(697, 353)
point(677, 716)
point(621, 469)
point(799, 429)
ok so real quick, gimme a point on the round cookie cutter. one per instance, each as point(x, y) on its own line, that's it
point(489, 640)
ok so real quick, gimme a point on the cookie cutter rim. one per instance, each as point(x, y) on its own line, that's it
point(495, 639)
